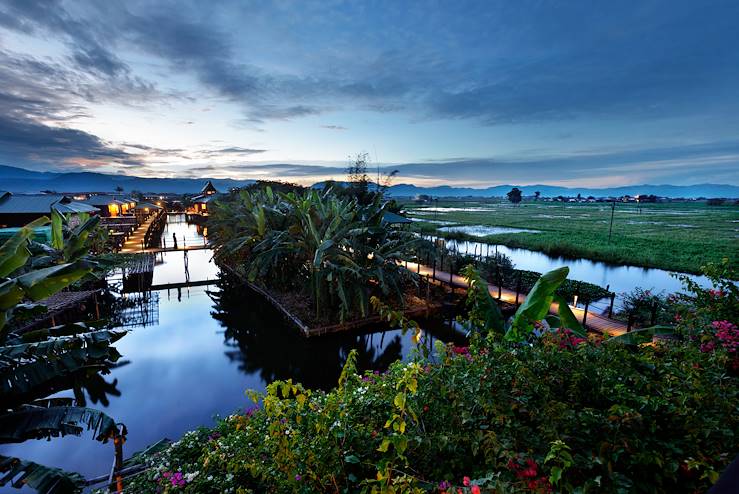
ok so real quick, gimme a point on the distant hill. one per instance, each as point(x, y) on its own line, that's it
point(15, 179)
point(686, 191)
point(20, 180)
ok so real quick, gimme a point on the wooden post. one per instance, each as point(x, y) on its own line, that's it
point(610, 308)
point(585, 314)
point(518, 286)
point(434, 269)
point(497, 275)
point(428, 290)
point(630, 322)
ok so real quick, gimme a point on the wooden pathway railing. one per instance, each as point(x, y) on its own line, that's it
point(591, 320)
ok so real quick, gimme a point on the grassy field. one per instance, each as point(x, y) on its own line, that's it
point(673, 236)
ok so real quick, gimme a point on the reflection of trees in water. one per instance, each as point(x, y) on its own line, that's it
point(85, 383)
point(260, 341)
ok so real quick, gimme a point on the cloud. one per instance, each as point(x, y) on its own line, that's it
point(333, 127)
point(26, 141)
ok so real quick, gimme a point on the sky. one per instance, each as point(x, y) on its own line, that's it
point(575, 93)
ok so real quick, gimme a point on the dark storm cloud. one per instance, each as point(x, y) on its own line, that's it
point(563, 61)
point(24, 141)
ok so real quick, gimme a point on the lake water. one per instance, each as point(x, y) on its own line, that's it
point(484, 230)
point(192, 352)
point(618, 278)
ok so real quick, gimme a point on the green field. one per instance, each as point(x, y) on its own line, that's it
point(679, 236)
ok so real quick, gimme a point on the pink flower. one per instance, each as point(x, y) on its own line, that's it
point(466, 481)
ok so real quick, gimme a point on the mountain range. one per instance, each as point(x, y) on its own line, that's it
point(17, 180)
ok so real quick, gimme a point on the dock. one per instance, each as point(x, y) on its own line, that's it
point(594, 321)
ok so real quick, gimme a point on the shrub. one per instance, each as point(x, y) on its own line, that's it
point(579, 416)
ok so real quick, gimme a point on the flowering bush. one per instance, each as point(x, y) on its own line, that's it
point(494, 417)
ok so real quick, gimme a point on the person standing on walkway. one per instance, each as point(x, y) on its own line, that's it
point(174, 237)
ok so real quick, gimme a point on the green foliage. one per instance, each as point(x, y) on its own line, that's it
point(335, 251)
point(44, 480)
point(679, 236)
point(485, 314)
point(592, 418)
point(36, 364)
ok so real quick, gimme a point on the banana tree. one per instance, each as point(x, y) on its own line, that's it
point(36, 364)
point(486, 315)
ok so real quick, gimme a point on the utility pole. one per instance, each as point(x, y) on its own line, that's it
point(610, 228)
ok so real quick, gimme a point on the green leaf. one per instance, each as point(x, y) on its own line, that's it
point(537, 304)
point(57, 233)
point(34, 422)
point(45, 282)
point(45, 480)
point(14, 252)
point(384, 445)
point(567, 317)
point(351, 459)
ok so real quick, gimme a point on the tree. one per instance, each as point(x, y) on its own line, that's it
point(118, 189)
point(514, 195)
point(537, 194)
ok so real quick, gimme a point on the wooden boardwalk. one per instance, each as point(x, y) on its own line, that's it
point(135, 242)
point(593, 320)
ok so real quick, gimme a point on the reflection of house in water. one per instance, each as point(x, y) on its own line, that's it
point(202, 202)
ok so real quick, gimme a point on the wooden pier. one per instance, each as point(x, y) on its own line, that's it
point(591, 320)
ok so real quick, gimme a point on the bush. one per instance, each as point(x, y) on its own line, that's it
point(564, 415)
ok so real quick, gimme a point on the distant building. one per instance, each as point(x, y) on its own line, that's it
point(200, 203)
point(111, 206)
point(20, 209)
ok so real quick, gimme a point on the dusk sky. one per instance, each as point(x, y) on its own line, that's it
point(464, 93)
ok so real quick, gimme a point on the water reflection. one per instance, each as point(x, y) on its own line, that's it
point(259, 341)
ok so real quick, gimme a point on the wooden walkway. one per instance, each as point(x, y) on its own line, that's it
point(156, 250)
point(136, 240)
point(593, 320)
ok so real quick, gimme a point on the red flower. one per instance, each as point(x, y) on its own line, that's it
point(475, 489)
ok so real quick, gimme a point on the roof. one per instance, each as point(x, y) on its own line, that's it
point(392, 218)
point(75, 207)
point(29, 203)
point(147, 205)
point(208, 187)
point(203, 199)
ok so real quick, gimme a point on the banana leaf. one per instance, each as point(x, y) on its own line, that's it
point(567, 317)
point(57, 230)
point(76, 246)
point(32, 368)
point(14, 252)
point(45, 480)
point(45, 282)
point(537, 304)
point(33, 422)
point(484, 306)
